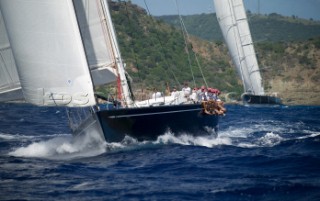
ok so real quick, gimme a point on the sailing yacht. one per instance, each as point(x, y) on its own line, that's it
point(234, 25)
point(55, 53)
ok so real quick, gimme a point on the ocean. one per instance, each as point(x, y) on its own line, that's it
point(260, 153)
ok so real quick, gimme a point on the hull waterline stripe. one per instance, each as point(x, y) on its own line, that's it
point(154, 113)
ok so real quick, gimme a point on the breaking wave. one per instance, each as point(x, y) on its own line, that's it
point(63, 147)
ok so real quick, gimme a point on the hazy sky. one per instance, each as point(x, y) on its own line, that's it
point(301, 8)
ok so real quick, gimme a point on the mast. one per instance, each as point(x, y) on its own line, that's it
point(119, 63)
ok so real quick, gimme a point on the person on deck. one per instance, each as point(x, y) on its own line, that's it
point(156, 94)
point(186, 90)
point(210, 94)
point(194, 95)
point(202, 95)
point(214, 94)
point(174, 92)
point(217, 93)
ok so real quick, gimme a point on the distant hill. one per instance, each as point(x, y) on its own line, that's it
point(272, 27)
point(156, 56)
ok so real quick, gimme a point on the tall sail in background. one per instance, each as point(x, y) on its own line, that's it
point(10, 88)
point(48, 51)
point(235, 29)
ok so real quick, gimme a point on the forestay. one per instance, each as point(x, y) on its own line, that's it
point(48, 51)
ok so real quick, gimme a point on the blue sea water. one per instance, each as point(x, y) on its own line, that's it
point(259, 154)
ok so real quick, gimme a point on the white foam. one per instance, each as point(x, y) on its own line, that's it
point(185, 139)
point(312, 134)
point(128, 143)
point(91, 144)
point(83, 186)
point(11, 137)
point(7, 136)
point(233, 132)
point(245, 137)
point(67, 147)
point(269, 140)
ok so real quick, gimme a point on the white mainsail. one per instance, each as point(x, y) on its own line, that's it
point(235, 29)
point(48, 51)
point(10, 88)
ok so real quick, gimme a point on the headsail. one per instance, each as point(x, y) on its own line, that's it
point(10, 88)
point(126, 94)
point(97, 41)
point(101, 44)
point(235, 29)
point(48, 51)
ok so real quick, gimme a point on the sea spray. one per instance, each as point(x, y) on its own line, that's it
point(66, 147)
point(188, 139)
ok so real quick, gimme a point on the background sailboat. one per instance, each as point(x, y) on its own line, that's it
point(234, 25)
point(64, 49)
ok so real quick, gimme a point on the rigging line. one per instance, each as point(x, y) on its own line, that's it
point(162, 56)
point(162, 48)
point(186, 43)
point(200, 68)
point(132, 43)
point(161, 45)
point(195, 54)
point(108, 30)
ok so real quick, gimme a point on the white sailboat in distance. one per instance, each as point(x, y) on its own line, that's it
point(234, 25)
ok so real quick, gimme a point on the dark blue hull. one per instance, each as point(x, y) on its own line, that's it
point(250, 99)
point(150, 122)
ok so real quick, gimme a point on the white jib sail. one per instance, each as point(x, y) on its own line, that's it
point(126, 95)
point(10, 88)
point(48, 50)
point(235, 29)
point(96, 41)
